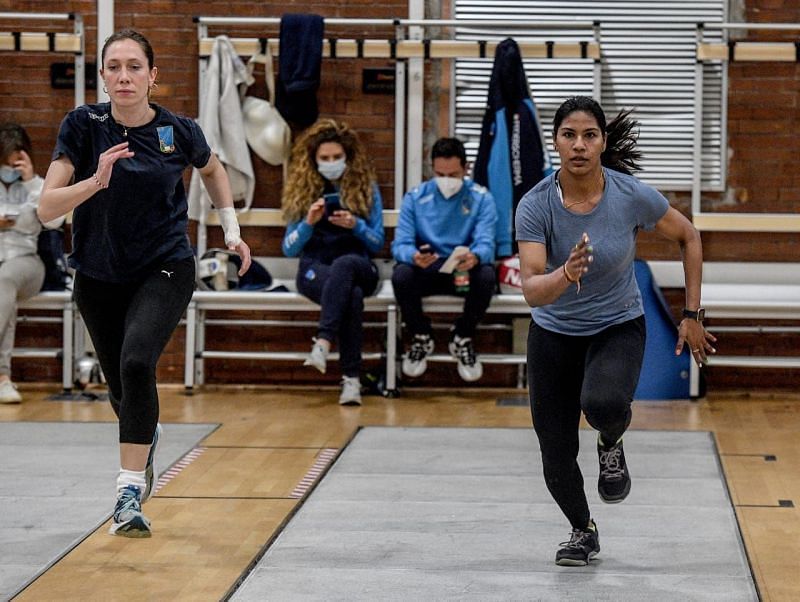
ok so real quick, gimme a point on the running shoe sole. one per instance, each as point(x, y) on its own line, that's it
point(617, 498)
point(573, 562)
point(136, 527)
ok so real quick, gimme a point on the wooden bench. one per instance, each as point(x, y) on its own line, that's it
point(283, 272)
point(756, 292)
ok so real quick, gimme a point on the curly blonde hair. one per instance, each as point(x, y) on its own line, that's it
point(304, 184)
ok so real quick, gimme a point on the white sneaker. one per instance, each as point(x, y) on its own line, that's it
point(9, 393)
point(469, 368)
point(414, 362)
point(318, 358)
point(351, 391)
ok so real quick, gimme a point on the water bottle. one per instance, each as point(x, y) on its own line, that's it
point(461, 281)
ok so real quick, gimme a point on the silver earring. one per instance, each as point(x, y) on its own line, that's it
point(105, 89)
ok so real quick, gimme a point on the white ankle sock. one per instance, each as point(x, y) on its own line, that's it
point(130, 477)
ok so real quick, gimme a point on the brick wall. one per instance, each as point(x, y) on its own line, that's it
point(763, 109)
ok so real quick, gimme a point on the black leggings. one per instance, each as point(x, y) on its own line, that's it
point(130, 324)
point(596, 374)
point(340, 289)
point(411, 283)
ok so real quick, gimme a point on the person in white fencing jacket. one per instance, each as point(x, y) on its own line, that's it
point(21, 268)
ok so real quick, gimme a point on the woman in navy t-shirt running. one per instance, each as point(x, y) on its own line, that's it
point(119, 167)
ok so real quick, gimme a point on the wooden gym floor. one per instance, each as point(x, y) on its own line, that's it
point(214, 519)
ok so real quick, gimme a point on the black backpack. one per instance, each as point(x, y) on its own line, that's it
point(50, 247)
point(257, 278)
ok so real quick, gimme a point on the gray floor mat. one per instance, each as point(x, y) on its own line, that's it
point(57, 484)
point(463, 514)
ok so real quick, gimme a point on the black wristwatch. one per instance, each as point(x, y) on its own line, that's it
point(698, 315)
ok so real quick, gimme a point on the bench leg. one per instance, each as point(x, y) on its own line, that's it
point(694, 379)
point(79, 347)
point(189, 354)
point(522, 370)
point(391, 351)
point(67, 360)
point(200, 346)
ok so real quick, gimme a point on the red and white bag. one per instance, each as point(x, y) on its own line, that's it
point(509, 277)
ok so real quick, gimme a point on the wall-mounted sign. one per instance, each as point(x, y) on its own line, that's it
point(378, 80)
point(62, 76)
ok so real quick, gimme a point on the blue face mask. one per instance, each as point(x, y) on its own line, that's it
point(9, 175)
point(332, 170)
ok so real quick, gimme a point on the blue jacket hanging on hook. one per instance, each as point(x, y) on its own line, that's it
point(512, 156)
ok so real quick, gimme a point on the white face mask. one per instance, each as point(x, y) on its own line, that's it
point(332, 170)
point(448, 186)
point(9, 175)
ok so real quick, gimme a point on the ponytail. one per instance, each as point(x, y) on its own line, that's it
point(622, 134)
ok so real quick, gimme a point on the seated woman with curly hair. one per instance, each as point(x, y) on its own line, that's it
point(335, 223)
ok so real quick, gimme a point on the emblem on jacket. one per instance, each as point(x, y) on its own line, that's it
point(166, 139)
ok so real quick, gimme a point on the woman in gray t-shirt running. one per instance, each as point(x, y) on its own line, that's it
point(577, 241)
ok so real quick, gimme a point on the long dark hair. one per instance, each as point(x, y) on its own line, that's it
point(621, 133)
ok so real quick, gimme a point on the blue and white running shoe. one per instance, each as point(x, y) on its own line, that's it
point(128, 519)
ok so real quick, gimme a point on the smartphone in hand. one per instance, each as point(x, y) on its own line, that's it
point(332, 203)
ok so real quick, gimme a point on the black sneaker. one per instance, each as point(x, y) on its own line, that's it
point(469, 367)
point(614, 483)
point(583, 545)
point(414, 362)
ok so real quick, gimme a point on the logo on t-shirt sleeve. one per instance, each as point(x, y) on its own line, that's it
point(166, 139)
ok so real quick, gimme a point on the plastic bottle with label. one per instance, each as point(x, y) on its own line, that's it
point(461, 281)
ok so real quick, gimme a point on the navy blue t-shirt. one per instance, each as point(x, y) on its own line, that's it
point(140, 220)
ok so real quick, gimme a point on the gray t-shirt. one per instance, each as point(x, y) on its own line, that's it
point(609, 294)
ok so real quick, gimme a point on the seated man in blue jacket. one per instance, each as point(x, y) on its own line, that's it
point(439, 215)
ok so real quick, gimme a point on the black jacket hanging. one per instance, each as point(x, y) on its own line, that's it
point(299, 65)
point(512, 156)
